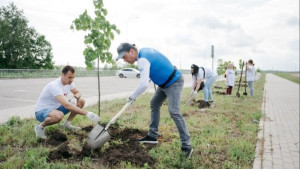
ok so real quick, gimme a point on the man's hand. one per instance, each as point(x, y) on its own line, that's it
point(94, 117)
point(194, 93)
point(73, 101)
point(77, 96)
point(129, 99)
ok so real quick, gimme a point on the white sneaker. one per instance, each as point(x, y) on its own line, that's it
point(94, 117)
point(39, 132)
point(71, 127)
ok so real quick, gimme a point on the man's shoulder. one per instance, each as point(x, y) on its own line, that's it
point(54, 84)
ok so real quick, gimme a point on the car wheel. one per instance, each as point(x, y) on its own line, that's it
point(138, 75)
point(121, 75)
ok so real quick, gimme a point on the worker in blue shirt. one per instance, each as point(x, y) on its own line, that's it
point(157, 67)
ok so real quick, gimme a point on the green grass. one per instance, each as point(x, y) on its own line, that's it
point(223, 136)
point(294, 77)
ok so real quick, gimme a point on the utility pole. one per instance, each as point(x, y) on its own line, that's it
point(212, 56)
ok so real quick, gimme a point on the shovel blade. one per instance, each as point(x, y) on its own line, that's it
point(98, 137)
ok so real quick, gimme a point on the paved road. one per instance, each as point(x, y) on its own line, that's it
point(18, 96)
point(278, 145)
point(21, 92)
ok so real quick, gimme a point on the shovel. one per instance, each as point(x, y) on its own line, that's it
point(237, 93)
point(99, 135)
point(245, 93)
point(189, 100)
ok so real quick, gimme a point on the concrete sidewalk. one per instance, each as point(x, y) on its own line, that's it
point(278, 143)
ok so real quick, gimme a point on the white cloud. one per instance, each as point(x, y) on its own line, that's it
point(263, 30)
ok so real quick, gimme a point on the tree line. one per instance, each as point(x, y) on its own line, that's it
point(21, 46)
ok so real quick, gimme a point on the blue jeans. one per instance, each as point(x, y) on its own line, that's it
point(173, 93)
point(43, 114)
point(251, 87)
point(206, 90)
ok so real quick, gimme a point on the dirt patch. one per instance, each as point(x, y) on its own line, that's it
point(121, 147)
point(56, 138)
point(63, 151)
point(131, 152)
point(185, 114)
point(87, 128)
point(220, 93)
point(199, 103)
point(218, 87)
point(242, 85)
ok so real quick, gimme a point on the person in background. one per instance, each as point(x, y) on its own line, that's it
point(230, 78)
point(157, 67)
point(250, 77)
point(200, 75)
point(53, 104)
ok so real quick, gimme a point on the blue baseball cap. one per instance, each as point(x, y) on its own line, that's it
point(123, 47)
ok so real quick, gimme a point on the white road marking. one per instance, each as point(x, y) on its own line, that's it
point(18, 99)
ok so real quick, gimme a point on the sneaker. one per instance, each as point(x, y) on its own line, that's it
point(188, 152)
point(39, 132)
point(211, 101)
point(148, 139)
point(208, 104)
point(94, 117)
point(69, 126)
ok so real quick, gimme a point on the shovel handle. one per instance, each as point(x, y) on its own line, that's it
point(188, 102)
point(118, 114)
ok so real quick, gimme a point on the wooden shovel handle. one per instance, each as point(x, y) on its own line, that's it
point(118, 114)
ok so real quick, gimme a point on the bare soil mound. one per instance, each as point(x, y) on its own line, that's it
point(199, 103)
point(122, 147)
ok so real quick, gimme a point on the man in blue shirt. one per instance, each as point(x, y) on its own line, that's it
point(155, 66)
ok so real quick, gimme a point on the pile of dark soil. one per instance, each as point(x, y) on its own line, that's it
point(122, 147)
point(242, 85)
point(218, 87)
point(220, 93)
point(199, 103)
point(57, 137)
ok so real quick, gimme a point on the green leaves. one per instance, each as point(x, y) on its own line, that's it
point(221, 69)
point(100, 34)
point(20, 45)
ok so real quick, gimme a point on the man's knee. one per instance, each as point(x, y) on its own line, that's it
point(80, 103)
point(175, 114)
point(57, 116)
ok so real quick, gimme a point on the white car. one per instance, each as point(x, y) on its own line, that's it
point(128, 72)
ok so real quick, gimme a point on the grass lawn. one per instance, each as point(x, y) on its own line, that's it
point(294, 77)
point(223, 136)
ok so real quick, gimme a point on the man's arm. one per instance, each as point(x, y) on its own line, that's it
point(194, 84)
point(248, 66)
point(198, 84)
point(64, 102)
point(144, 66)
point(76, 93)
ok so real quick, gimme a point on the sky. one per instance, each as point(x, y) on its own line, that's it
point(266, 31)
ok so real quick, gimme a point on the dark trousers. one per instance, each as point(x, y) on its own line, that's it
point(228, 90)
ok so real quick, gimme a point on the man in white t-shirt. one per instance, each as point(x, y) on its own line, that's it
point(52, 104)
